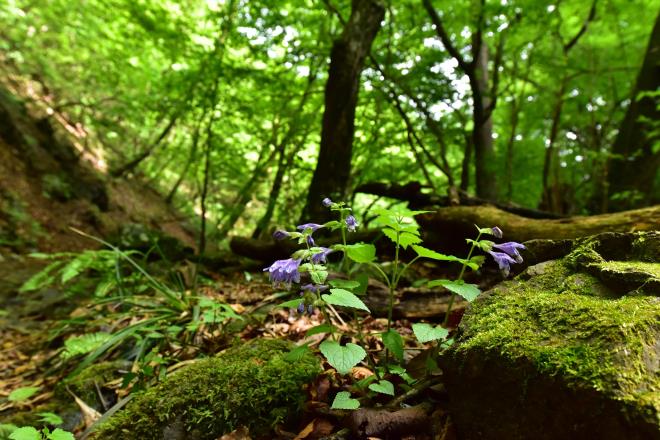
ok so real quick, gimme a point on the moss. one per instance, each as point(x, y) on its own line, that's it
point(84, 384)
point(566, 324)
point(651, 269)
point(251, 385)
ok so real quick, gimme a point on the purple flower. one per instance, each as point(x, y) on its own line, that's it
point(316, 288)
point(310, 309)
point(284, 271)
point(301, 307)
point(280, 234)
point(497, 232)
point(503, 261)
point(310, 241)
point(312, 226)
point(511, 248)
point(351, 223)
point(327, 202)
point(321, 256)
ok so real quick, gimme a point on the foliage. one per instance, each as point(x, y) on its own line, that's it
point(232, 76)
point(402, 229)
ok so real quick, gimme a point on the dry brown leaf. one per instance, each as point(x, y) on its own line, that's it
point(241, 433)
point(317, 428)
point(360, 373)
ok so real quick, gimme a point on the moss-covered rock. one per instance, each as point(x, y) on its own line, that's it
point(568, 349)
point(252, 385)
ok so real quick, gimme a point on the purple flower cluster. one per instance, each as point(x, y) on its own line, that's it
point(351, 223)
point(284, 271)
point(321, 256)
point(508, 256)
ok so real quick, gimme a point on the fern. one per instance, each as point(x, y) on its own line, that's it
point(83, 344)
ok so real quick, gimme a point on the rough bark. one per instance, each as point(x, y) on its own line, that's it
point(341, 92)
point(635, 164)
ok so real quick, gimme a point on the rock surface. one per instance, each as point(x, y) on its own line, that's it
point(251, 385)
point(568, 349)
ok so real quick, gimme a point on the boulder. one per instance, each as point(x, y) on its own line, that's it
point(568, 349)
point(252, 385)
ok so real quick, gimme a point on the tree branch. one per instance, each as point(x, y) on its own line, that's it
point(444, 37)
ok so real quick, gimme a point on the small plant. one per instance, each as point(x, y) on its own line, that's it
point(13, 432)
point(147, 316)
point(322, 294)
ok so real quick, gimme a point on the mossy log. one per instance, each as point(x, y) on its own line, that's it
point(447, 228)
point(251, 385)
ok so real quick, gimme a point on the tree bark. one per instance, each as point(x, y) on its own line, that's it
point(333, 167)
point(634, 167)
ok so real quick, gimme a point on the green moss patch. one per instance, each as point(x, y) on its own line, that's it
point(251, 385)
point(607, 343)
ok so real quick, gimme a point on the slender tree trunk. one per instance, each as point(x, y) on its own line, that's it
point(549, 200)
point(333, 167)
point(482, 133)
point(191, 158)
point(466, 165)
point(636, 158)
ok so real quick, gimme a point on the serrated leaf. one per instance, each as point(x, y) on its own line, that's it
point(433, 255)
point(322, 328)
point(25, 433)
point(343, 400)
point(318, 276)
point(406, 239)
point(344, 284)
point(393, 341)
point(383, 387)
point(342, 358)
point(427, 333)
point(60, 434)
point(341, 297)
point(50, 418)
point(390, 233)
point(460, 287)
point(21, 394)
point(361, 252)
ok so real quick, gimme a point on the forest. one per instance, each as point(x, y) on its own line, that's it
point(329, 219)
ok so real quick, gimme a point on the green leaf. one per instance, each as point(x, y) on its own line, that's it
point(341, 297)
point(383, 387)
point(344, 284)
point(20, 394)
point(393, 341)
point(405, 238)
point(343, 400)
point(292, 304)
point(296, 353)
point(60, 434)
point(318, 275)
point(426, 332)
point(25, 433)
point(361, 252)
point(83, 344)
point(363, 279)
point(50, 418)
point(342, 358)
point(322, 328)
point(460, 287)
point(433, 255)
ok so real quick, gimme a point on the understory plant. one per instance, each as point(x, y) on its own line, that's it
point(144, 319)
point(307, 273)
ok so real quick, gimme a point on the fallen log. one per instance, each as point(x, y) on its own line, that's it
point(447, 228)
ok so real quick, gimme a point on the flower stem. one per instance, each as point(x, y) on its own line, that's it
point(460, 277)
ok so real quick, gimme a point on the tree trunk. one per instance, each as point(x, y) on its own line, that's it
point(482, 133)
point(633, 171)
point(341, 92)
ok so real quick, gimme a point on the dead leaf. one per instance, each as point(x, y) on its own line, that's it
point(241, 433)
point(360, 373)
point(317, 428)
